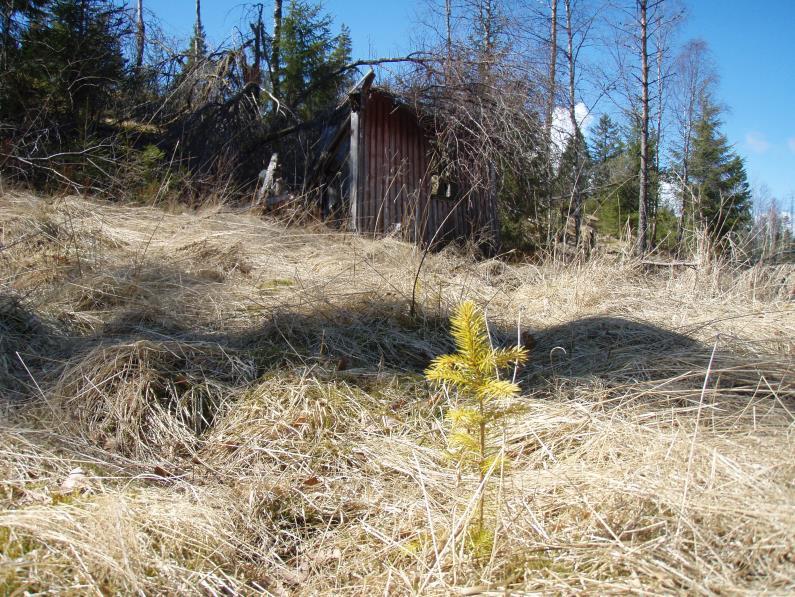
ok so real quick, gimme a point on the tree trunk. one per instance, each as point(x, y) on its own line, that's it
point(643, 195)
point(196, 49)
point(696, 77)
point(575, 206)
point(140, 38)
point(488, 31)
point(553, 53)
point(448, 18)
point(680, 224)
point(685, 182)
point(658, 139)
point(276, 47)
point(255, 74)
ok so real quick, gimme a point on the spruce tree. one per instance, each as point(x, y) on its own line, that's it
point(718, 176)
point(605, 145)
point(71, 60)
point(606, 151)
point(343, 47)
point(197, 47)
point(310, 56)
point(14, 15)
point(616, 164)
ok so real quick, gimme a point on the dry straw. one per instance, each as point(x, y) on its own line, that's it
point(212, 403)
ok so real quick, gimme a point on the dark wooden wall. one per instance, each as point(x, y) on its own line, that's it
point(390, 168)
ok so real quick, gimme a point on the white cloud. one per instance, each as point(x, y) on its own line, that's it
point(669, 197)
point(757, 142)
point(562, 129)
point(791, 144)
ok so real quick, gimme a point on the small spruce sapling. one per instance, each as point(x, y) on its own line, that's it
point(474, 371)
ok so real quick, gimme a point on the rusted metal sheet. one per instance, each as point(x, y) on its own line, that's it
point(389, 162)
point(396, 151)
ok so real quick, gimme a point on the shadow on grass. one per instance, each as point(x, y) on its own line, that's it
point(27, 343)
point(159, 305)
point(603, 345)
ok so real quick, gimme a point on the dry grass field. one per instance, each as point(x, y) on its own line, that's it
point(213, 403)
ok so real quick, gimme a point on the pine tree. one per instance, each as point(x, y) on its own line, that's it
point(718, 176)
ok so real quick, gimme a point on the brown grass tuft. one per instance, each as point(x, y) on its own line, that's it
point(147, 397)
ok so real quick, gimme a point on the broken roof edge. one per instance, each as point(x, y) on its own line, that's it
point(362, 84)
point(351, 102)
point(365, 84)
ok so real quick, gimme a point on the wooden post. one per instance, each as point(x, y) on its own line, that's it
point(354, 166)
point(358, 101)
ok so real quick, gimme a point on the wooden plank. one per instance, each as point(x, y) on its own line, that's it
point(391, 130)
point(372, 157)
point(411, 191)
point(409, 208)
point(353, 157)
point(363, 201)
point(365, 174)
point(425, 188)
point(383, 154)
point(405, 198)
point(386, 132)
point(397, 157)
point(404, 159)
point(372, 203)
point(378, 156)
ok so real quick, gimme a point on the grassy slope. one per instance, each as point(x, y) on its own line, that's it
point(246, 407)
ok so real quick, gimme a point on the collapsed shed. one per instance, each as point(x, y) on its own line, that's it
point(379, 173)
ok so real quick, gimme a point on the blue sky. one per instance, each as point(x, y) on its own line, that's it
point(753, 44)
point(754, 47)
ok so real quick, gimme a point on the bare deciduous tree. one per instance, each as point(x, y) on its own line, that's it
point(550, 107)
point(276, 44)
point(643, 197)
point(140, 37)
point(637, 25)
point(695, 77)
point(578, 25)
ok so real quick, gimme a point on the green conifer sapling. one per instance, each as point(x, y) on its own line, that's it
point(474, 372)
